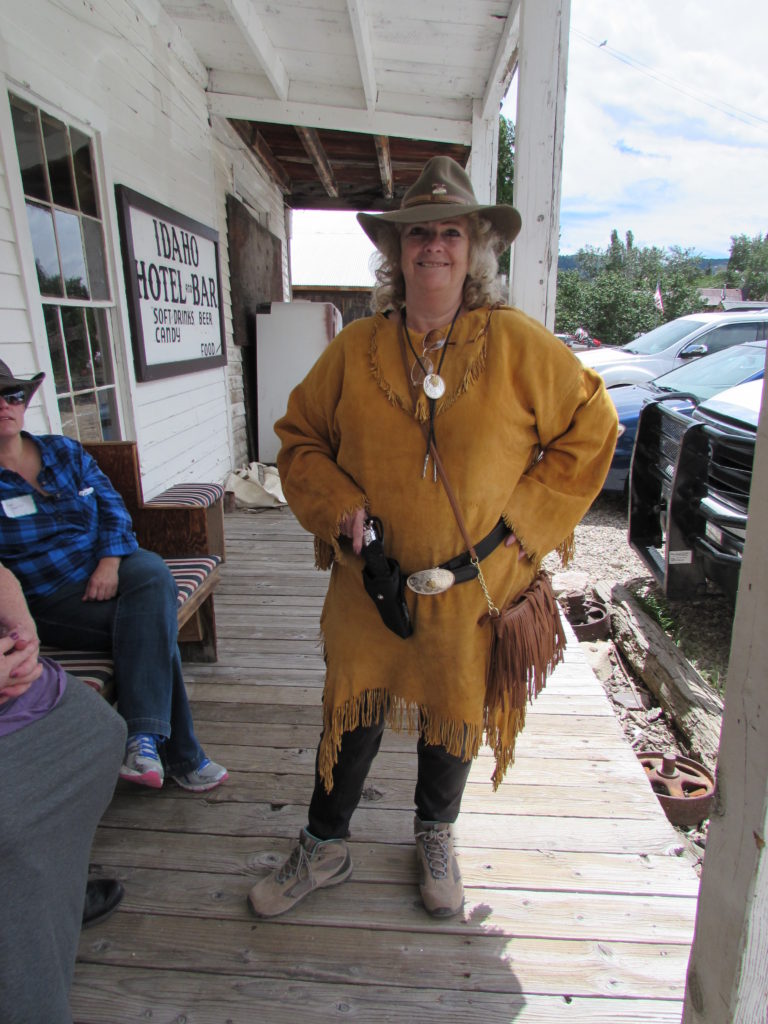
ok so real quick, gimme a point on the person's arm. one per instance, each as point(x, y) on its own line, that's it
point(115, 529)
point(116, 537)
point(578, 431)
point(19, 646)
point(326, 501)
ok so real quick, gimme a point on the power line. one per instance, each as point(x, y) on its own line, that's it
point(727, 109)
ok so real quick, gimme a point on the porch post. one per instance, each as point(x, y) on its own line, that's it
point(484, 158)
point(727, 977)
point(539, 124)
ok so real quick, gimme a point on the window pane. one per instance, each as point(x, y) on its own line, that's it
point(56, 348)
point(66, 412)
point(100, 356)
point(108, 415)
point(86, 188)
point(88, 421)
point(72, 259)
point(59, 166)
point(30, 150)
point(94, 254)
point(78, 350)
point(44, 248)
point(732, 334)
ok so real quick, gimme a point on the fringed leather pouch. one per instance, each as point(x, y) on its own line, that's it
point(528, 641)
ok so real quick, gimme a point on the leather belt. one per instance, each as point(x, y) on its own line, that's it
point(458, 569)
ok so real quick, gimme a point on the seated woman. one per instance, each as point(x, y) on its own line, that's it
point(46, 719)
point(67, 537)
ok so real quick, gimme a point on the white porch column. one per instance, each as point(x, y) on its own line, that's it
point(539, 124)
point(727, 975)
point(484, 158)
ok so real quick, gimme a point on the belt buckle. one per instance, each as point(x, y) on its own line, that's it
point(431, 581)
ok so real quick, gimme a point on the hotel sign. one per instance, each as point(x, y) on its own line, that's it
point(172, 280)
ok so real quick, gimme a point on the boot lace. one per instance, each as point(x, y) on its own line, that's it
point(297, 866)
point(436, 850)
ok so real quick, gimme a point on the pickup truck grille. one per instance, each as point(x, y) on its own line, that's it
point(729, 470)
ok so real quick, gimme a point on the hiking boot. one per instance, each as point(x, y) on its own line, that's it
point(142, 762)
point(206, 776)
point(312, 864)
point(440, 883)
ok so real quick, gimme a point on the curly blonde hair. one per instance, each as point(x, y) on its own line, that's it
point(481, 286)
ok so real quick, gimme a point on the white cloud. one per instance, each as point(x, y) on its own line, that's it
point(666, 126)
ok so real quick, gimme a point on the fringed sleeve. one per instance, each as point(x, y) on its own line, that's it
point(577, 435)
point(318, 491)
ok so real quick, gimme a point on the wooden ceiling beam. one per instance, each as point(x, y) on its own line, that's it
point(385, 165)
point(343, 119)
point(361, 30)
point(251, 25)
point(263, 151)
point(310, 140)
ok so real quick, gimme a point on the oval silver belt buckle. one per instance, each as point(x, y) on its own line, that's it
point(431, 581)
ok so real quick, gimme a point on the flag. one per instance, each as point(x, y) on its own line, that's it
point(657, 301)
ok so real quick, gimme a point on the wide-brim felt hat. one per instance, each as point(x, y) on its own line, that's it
point(7, 380)
point(442, 191)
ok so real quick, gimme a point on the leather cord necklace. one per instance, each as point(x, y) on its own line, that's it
point(433, 386)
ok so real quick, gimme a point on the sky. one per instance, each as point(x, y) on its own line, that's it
point(666, 135)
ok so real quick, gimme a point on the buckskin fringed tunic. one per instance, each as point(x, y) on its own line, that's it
point(525, 432)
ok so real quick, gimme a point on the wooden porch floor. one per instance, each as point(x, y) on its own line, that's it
point(575, 909)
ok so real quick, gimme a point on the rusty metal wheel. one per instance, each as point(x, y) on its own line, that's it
point(686, 790)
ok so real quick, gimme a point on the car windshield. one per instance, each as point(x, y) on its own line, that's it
point(707, 376)
point(662, 337)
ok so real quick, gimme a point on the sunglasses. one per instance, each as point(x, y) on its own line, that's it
point(14, 396)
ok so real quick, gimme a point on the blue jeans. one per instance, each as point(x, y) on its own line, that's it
point(139, 628)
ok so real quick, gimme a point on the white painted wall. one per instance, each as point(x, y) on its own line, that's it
point(117, 70)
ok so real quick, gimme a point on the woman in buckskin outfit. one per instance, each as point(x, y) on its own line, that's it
point(462, 425)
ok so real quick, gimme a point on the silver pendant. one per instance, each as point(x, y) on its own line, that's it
point(434, 385)
point(431, 581)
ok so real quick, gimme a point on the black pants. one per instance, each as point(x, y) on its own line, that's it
point(439, 786)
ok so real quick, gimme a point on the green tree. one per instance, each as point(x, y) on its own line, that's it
point(748, 266)
point(505, 175)
point(611, 293)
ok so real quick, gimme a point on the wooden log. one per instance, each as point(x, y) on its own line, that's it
point(695, 708)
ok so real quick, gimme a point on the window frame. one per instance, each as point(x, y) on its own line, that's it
point(36, 301)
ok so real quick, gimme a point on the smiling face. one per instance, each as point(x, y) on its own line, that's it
point(435, 258)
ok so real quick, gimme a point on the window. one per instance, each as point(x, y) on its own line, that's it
point(725, 335)
point(62, 201)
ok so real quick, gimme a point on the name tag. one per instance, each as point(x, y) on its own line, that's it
point(24, 505)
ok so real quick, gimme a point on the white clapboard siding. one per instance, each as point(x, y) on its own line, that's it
point(106, 68)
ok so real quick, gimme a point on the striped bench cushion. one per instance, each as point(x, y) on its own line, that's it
point(196, 495)
point(93, 668)
point(189, 573)
point(96, 669)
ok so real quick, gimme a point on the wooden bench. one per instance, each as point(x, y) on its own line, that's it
point(186, 519)
point(195, 580)
point(185, 525)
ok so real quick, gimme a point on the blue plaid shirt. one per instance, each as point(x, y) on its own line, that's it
point(50, 539)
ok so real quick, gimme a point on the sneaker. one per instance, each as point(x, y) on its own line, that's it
point(142, 763)
point(312, 864)
point(207, 775)
point(442, 891)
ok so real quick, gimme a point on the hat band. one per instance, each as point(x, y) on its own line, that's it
point(435, 197)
